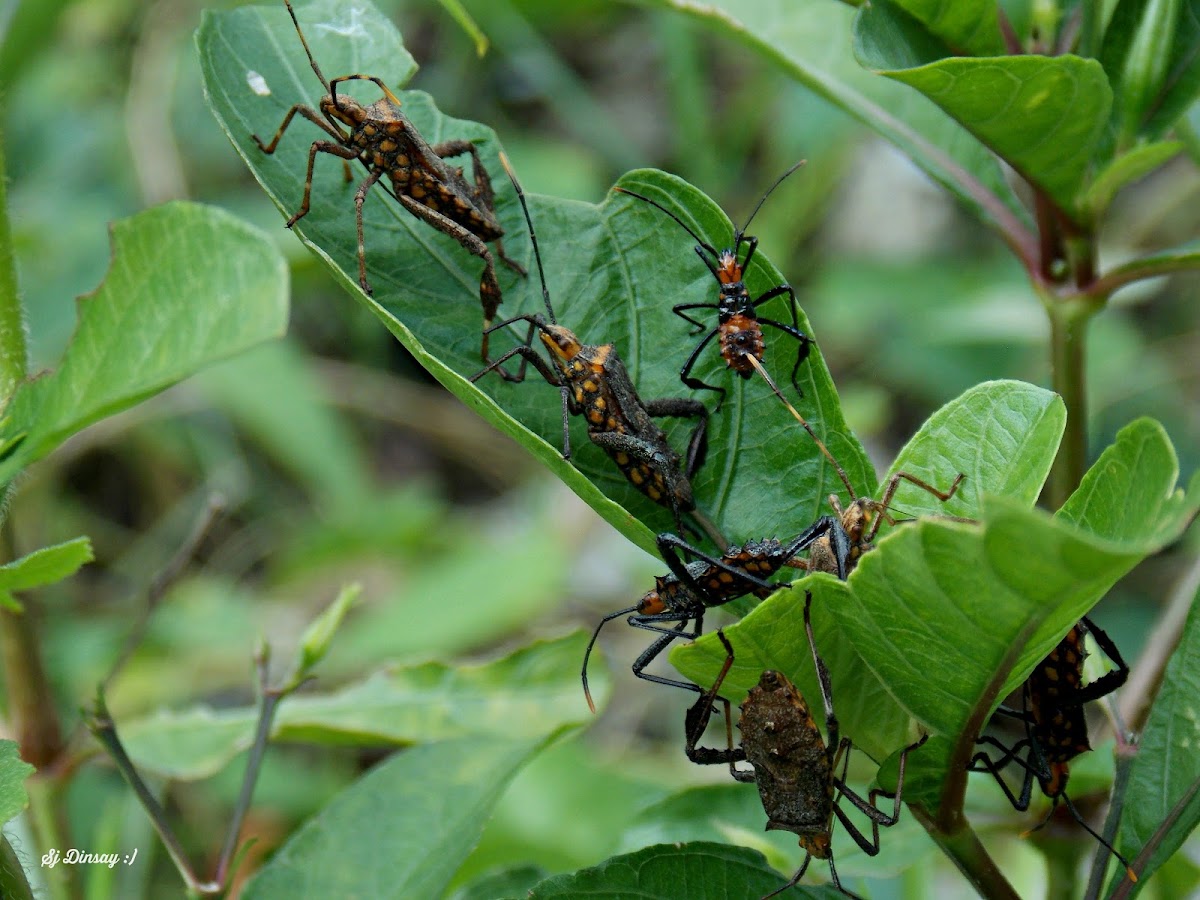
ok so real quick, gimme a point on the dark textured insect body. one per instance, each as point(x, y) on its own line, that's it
point(1055, 726)
point(595, 385)
point(682, 596)
point(795, 769)
point(739, 331)
point(380, 137)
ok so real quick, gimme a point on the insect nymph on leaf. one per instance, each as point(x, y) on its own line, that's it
point(412, 170)
point(738, 331)
point(795, 769)
point(594, 384)
point(1056, 731)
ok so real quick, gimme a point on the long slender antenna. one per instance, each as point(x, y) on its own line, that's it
point(1075, 814)
point(311, 60)
point(587, 692)
point(778, 181)
point(537, 255)
point(799, 418)
point(699, 240)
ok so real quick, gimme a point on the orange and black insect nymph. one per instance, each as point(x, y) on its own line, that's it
point(682, 596)
point(380, 137)
point(739, 327)
point(595, 385)
point(1055, 727)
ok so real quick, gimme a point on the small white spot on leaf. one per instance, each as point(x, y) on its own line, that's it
point(257, 83)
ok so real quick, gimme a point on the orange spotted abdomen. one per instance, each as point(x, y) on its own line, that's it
point(741, 338)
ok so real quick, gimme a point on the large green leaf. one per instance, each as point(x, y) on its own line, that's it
point(1002, 436)
point(188, 285)
point(699, 871)
point(402, 829)
point(531, 692)
point(1167, 768)
point(1041, 114)
point(811, 40)
point(1021, 579)
point(614, 271)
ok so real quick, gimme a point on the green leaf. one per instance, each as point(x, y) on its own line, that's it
point(531, 692)
point(1129, 495)
point(13, 772)
point(808, 40)
point(900, 618)
point(614, 271)
point(970, 28)
point(402, 829)
point(188, 285)
point(1167, 768)
point(1151, 53)
point(1129, 167)
point(1042, 115)
point(699, 871)
point(1003, 436)
point(45, 566)
point(515, 881)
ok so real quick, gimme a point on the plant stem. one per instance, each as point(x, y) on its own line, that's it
point(1068, 329)
point(44, 818)
point(962, 845)
point(31, 705)
point(13, 353)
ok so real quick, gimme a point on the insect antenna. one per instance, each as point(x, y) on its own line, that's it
point(587, 692)
point(799, 418)
point(699, 240)
point(1078, 817)
point(311, 60)
point(537, 255)
point(741, 232)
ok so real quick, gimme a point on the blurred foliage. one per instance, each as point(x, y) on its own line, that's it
point(338, 458)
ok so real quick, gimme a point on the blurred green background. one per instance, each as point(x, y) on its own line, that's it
point(339, 459)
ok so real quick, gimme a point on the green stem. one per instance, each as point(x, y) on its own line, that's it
point(13, 353)
point(50, 833)
point(963, 847)
point(1068, 330)
point(31, 705)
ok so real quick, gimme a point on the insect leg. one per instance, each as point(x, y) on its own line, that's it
point(685, 373)
point(360, 197)
point(697, 720)
point(483, 190)
point(317, 147)
point(489, 287)
point(309, 113)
